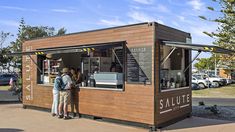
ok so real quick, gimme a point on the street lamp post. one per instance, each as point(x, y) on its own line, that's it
point(215, 66)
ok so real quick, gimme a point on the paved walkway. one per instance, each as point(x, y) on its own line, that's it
point(16, 119)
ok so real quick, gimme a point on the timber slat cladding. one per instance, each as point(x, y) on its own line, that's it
point(135, 103)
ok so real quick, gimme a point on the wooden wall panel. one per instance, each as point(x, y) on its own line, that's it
point(135, 103)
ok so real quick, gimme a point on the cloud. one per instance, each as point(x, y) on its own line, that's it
point(182, 18)
point(196, 4)
point(146, 2)
point(140, 17)
point(137, 16)
point(114, 22)
point(17, 8)
point(198, 30)
point(162, 8)
point(175, 23)
point(9, 23)
point(63, 10)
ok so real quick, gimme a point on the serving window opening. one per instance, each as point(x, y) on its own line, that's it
point(174, 73)
point(100, 66)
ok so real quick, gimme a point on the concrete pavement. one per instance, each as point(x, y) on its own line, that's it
point(16, 119)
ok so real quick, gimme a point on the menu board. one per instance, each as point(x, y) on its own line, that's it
point(139, 65)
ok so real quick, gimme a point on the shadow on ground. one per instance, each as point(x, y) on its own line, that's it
point(10, 130)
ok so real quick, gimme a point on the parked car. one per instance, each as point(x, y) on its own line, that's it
point(5, 78)
point(215, 80)
point(202, 83)
point(229, 81)
point(195, 86)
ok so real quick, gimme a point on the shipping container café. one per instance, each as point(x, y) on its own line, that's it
point(150, 80)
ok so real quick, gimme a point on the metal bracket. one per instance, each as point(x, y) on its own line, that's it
point(35, 63)
point(198, 53)
point(117, 58)
point(165, 59)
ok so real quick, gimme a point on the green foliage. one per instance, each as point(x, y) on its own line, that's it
point(210, 8)
point(205, 63)
point(27, 32)
point(4, 60)
point(225, 33)
point(202, 17)
point(201, 103)
point(3, 37)
point(213, 109)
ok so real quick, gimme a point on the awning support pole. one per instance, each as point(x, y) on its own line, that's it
point(35, 63)
point(165, 59)
point(198, 53)
point(117, 58)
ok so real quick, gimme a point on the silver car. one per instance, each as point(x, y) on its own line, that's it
point(203, 83)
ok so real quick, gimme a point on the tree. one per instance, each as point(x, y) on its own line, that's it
point(27, 32)
point(205, 64)
point(225, 33)
point(3, 38)
point(4, 60)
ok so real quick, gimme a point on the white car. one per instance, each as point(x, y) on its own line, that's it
point(215, 80)
point(203, 83)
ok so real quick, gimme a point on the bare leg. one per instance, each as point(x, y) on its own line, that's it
point(60, 108)
point(65, 109)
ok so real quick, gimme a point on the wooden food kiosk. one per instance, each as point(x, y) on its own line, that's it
point(150, 83)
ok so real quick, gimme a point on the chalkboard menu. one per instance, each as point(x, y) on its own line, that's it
point(139, 65)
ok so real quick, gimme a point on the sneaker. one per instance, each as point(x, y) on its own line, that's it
point(79, 116)
point(60, 116)
point(73, 115)
point(53, 114)
point(67, 117)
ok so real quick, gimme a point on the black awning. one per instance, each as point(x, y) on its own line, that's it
point(198, 47)
point(70, 49)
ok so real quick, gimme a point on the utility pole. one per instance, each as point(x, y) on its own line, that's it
point(215, 66)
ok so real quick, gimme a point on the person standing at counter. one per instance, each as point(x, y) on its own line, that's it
point(74, 95)
point(55, 91)
point(79, 77)
point(65, 94)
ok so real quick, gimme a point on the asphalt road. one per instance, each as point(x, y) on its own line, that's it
point(215, 101)
point(6, 96)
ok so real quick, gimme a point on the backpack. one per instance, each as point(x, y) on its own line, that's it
point(61, 83)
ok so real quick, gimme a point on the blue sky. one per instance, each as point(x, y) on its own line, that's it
point(82, 15)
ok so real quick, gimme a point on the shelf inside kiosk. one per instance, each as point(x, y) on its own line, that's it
point(99, 67)
point(174, 61)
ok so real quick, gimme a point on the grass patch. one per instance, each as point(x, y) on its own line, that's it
point(221, 92)
point(4, 87)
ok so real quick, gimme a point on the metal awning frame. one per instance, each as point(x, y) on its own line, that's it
point(197, 47)
point(69, 49)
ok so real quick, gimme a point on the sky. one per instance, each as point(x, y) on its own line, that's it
point(83, 15)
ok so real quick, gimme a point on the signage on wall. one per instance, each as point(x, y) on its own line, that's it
point(174, 103)
point(139, 64)
point(28, 80)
